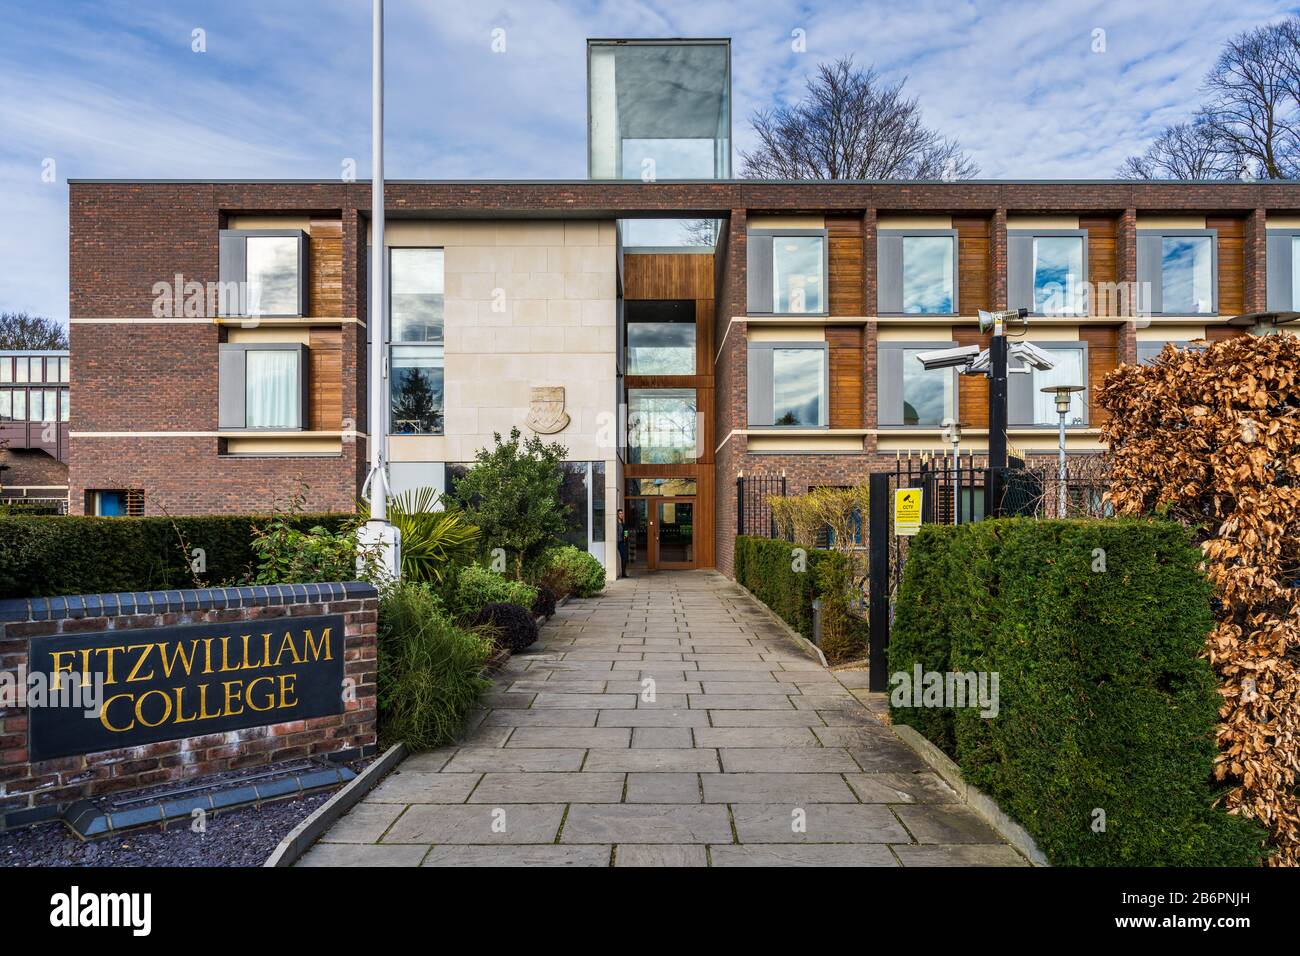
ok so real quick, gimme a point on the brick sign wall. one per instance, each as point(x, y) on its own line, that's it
point(193, 682)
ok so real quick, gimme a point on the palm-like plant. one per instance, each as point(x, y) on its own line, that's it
point(434, 541)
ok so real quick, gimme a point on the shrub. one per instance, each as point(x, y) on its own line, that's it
point(1104, 699)
point(545, 603)
point(512, 493)
point(558, 579)
point(766, 567)
point(1211, 438)
point(48, 556)
point(477, 587)
point(435, 542)
point(27, 508)
point(430, 671)
point(584, 571)
point(512, 626)
point(286, 554)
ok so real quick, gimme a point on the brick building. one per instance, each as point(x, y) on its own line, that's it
point(698, 326)
point(34, 415)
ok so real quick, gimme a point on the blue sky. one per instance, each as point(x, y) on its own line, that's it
point(113, 89)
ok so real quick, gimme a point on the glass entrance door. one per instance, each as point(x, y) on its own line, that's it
point(675, 535)
point(637, 530)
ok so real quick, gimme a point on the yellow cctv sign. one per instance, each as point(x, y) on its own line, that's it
point(907, 511)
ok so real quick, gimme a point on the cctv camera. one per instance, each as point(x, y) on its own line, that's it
point(948, 358)
point(1032, 356)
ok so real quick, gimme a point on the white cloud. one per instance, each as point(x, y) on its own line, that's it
point(113, 89)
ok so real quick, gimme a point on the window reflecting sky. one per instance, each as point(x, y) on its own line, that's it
point(661, 425)
point(1058, 275)
point(928, 274)
point(416, 294)
point(1186, 280)
point(927, 394)
point(797, 274)
point(272, 275)
point(798, 386)
point(661, 348)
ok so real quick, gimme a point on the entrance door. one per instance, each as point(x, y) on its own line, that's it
point(661, 533)
point(675, 533)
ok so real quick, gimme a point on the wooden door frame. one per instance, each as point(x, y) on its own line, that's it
point(654, 526)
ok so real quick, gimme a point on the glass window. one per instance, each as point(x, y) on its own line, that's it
point(272, 264)
point(51, 411)
point(65, 405)
point(110, 504)
point(417, 390)
point(798, 387)
point(660, 338)
point(6, 403)
point(416, 294)
point(661, 425)
point(6, 369)
point(19, 413)
point(658, 110)
point(597, 501)
point(1295, 278)
point(927, 394)
point(797, 265)
point(1069, 370)
point(35, 405)
point(37, 366)
point(272, 394)
point(666, 487)
point(928, 275)
point(20, 369)
point(573, 494)
point(65, 365)
point(1058, 275)
point(1186, 277)
point(669, 233)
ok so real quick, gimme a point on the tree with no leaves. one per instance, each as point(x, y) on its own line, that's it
point(852, 124)
point(1249, 125)
point(22, 330)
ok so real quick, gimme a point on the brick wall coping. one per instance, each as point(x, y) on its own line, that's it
point(179, 601)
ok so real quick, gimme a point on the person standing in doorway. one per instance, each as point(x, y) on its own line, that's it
point(622, 546)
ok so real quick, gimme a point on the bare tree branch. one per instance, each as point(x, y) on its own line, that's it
point(22, 330)
point(1249, 124)
point(851, 124)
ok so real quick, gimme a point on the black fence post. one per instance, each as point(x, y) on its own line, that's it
point(878, 580)
point(740, 505)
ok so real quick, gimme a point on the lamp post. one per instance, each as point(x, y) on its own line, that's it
point(952, 433)
point(1263, 323)
point(1063, 395)
point(377, 536)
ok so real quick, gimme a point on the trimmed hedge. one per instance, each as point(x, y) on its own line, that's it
point(51, 556)
point(1104, 700)
point(476, 587)
point(585, 574)
point(765, 566)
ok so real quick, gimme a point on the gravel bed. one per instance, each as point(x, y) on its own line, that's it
point(241, 837)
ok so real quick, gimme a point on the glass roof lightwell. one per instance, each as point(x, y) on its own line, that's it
point(658, 109)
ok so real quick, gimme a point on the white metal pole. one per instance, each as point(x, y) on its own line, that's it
point(956, 479)
point(377, 318)
point(1060, 468)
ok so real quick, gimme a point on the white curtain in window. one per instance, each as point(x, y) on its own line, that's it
point(271, 389)
point(1068, 371)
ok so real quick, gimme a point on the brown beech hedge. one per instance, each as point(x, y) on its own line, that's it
point(1212, 439)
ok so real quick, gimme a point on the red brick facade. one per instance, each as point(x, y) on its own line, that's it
point(146, 376)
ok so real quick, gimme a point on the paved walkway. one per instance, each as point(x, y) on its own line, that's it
point(666, 722)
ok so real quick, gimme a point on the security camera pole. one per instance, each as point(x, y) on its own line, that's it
point(378, 536)
point(998, 347)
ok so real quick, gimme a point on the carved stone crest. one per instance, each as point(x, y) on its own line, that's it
point(546, 414)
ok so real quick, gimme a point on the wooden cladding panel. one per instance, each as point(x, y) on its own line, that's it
point(704, 312)
point(325, 379)
point(1218, 333)
point(325, 269)
point(972, 390)
point(1103, 263)
point(974, 272)
point(1232, 264)
point(844, 255)
point(846, 398)
point(1103, 358)
point(668, 275)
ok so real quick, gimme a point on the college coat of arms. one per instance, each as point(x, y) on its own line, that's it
point(546, 414)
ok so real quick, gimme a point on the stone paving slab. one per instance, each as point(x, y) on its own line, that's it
point(750, 754)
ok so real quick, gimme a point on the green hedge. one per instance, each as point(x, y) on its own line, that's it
point(1105, 702)
point(49, 556)
point(765, 567)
